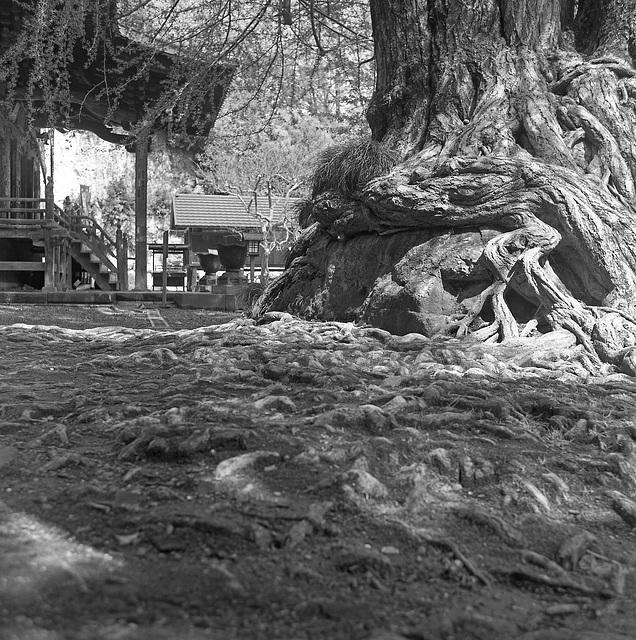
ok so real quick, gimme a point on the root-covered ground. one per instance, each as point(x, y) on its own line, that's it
point(217, 478)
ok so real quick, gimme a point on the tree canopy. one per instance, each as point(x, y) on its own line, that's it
point(65, 57)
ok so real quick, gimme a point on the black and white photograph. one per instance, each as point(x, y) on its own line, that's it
point(317, 320)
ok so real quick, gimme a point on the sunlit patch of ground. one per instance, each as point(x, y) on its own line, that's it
point(34, 554)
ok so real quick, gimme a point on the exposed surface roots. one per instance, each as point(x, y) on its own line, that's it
point(518, 260)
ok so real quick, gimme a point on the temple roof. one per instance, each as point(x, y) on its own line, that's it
point(138, 78)
point(198, 211)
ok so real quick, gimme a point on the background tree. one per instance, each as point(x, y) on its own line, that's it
point(512, 206)
point(108, 170)
point(276, 217)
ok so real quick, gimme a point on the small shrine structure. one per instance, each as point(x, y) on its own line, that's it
point(236, 228)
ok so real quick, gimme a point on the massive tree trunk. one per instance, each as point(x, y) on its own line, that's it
point(511, 208)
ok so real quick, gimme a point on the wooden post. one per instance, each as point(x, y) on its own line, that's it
point(57, 268)
point(164, 275)
point(121, 244)
point(69, 267)
point(124, 253)
point(49, 248)
point(48, 199)
point(141, 213)
point(62, 266)
point(49, 262)
point(52, 150)
point(5, 164)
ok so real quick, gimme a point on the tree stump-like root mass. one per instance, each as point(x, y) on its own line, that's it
point(534, 149)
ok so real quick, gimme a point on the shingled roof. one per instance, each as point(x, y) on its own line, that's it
point(122, 86)
point(193, 210)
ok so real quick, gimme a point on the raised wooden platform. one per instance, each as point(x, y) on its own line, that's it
point(183, 300)
point(57, 297)
point(91, 296)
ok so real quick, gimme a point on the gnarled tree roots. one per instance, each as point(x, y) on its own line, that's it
point(517, 260)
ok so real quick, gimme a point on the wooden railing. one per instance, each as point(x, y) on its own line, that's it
point(28, 210)
point(23, 209)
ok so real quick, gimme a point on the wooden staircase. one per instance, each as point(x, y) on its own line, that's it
point(103, 271)
point(101, 257)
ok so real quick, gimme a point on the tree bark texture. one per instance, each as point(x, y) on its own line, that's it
point(512, 205)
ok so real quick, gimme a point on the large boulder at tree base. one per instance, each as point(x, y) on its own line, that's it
point(404, 282)
point(429, 286)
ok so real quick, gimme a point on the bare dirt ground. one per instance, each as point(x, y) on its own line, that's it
point(214, 478)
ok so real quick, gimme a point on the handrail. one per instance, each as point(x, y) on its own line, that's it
point(84, 228)
point(88, 228)
point(83, 225)
point(94, 230)
point(103, 234)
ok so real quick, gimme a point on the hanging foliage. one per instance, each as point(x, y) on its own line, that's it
point(122, 66)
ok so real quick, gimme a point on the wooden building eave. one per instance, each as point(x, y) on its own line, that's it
point(128, 87)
